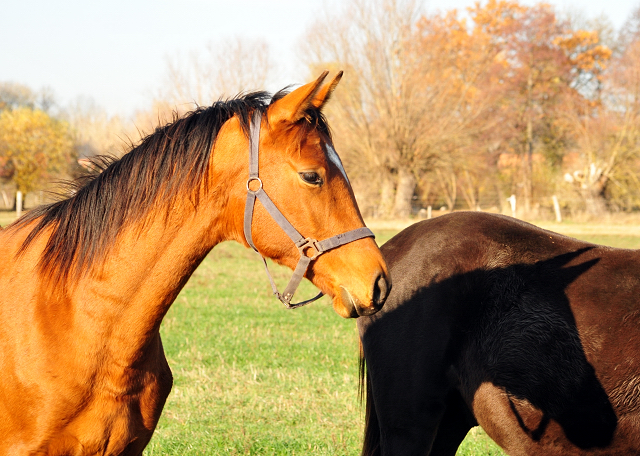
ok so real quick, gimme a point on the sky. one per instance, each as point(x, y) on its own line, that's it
point(115, 52)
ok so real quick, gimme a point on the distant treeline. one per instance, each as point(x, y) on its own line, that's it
point(455, 109)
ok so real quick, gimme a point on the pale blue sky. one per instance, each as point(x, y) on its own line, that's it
point(115, 51)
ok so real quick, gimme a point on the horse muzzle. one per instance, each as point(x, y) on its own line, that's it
point(354, 308)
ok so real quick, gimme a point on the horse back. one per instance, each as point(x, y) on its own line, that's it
point(533, 329)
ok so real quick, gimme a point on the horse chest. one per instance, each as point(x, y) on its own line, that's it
point(111, 414)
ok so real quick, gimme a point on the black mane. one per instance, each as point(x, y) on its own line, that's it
point(170, 162)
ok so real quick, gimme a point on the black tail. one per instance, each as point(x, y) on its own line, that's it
point(371, 444)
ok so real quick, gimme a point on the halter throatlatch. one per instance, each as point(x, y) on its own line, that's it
point(309, 248)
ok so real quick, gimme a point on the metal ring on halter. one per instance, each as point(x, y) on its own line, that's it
point(254, 179)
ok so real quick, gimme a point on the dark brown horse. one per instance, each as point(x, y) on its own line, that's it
point(494, 322)
point(85, 282)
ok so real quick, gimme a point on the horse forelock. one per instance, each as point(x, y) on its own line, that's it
point(169, 163)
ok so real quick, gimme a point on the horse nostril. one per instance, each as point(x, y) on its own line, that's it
point(381, 290)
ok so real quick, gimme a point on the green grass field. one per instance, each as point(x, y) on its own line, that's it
point(6, 217)
point(252, 378)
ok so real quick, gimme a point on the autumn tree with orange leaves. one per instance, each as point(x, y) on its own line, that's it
point(33, 147)
point(606, 133)
point(410, 97)
point(546, 66)
point(457, 105)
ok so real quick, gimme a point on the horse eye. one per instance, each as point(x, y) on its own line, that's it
point(311, 178)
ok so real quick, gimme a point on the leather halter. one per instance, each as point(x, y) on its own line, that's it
point(309, 248)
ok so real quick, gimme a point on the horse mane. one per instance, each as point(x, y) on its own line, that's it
point(169, 163)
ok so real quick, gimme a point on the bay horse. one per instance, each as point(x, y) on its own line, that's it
point(491, 321)
point(86, 281)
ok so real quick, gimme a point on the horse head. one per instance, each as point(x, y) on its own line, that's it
point(304, 177)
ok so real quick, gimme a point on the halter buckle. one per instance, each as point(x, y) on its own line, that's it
point(309, 243)
point(251, 179)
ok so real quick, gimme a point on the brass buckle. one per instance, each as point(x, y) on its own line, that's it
point(310, 243)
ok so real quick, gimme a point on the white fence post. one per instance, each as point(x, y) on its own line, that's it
point(512, 202)
point(556, 208)
point(18, 204)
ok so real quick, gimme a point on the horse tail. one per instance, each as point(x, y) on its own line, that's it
point(371, 444)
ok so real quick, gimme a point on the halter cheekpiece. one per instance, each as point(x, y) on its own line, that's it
point(309, 248)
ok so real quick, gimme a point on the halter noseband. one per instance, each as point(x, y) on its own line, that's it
point(305, 245)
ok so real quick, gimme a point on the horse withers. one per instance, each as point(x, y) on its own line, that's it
point(85, 282)
point(532, 335)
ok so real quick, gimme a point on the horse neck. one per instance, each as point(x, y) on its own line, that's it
point(131, 290)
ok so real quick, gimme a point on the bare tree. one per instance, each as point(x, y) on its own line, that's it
point(13, 95)
point(224, 70)
point(608, 137)
point(409, 101)
point(94, 132)
point(376, 113)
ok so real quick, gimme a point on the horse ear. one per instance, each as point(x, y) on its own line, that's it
point(292, 106)
point(323, 95)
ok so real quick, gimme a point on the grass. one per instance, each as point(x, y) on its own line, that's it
point(252, 378)
point(6, 217)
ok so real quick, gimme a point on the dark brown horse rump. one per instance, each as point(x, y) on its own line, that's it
point(493, 321)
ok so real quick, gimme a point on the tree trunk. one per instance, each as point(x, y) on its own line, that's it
point(593, 194)
point(449, 187)
point(595, 203)
point(5, 198)
point(385, 207)
point(470, 193)
point(404, 193)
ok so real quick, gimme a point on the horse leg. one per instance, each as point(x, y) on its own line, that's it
point(410, 409)
point(408, 356)
point(413, 438)
point(454, 426)
point(444, 432)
